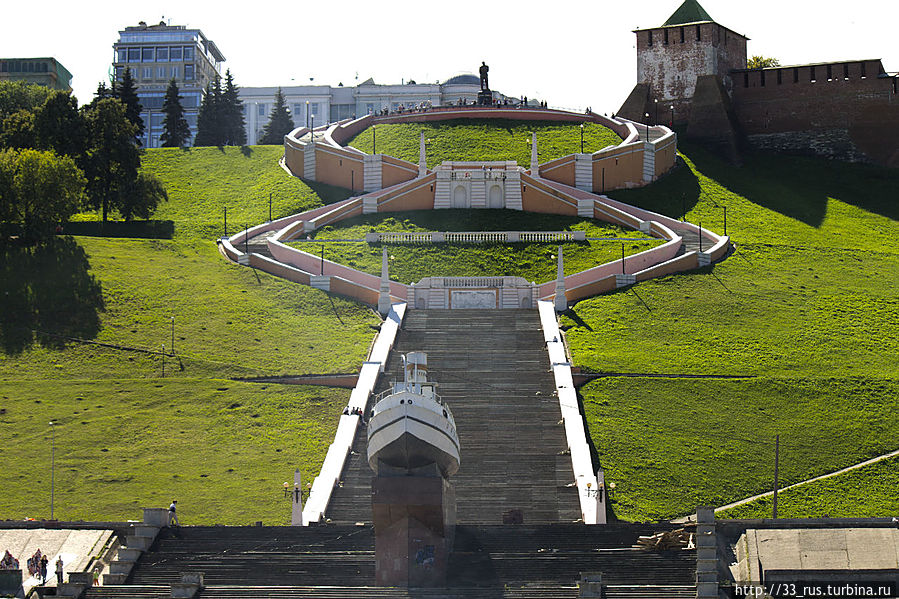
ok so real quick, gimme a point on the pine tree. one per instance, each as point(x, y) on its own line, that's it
point(279, 122)
point(208, 119)
point(176, 131)
point(126, 92)
point(233, 126)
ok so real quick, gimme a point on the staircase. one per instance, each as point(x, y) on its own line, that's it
point(493, 371)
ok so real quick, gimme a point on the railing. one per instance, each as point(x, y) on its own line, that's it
point(473, 281)
point(475, 237)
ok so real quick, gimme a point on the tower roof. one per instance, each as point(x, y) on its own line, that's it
point(689, 12)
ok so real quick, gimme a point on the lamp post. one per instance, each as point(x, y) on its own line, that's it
point(656, 102)
point(671, 122)
point(52, 466)
point(307, 114)
point(582, 138)
point(312, 130)
point(646, 124)
point(173, 335)
point(374, 141)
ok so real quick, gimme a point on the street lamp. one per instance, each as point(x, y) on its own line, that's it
point(52, 466)
point(312, 130)
point(307, 114)
point(656, 101)
point(646, 124)
point(374, 144)
point(672, 116)
point(582, 138)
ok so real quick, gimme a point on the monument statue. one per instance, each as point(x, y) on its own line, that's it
point(483, 71)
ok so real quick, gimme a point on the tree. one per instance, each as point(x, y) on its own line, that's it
point(18, 95)
point(112, 157)
point(176, 132)
point(38, 190)
point(59, 126)
point(762, 62)
point(279, 122)
point(209, 118)
point(17, 130)
point(234, 129)
point(126, 92)
point(142, 197)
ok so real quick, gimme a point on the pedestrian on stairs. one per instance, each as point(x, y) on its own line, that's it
point(59, 571)
point(173, 517)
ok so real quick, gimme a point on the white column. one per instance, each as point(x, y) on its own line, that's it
point(561, 303)
point(384, 295)
point(535, 165)
point(422, 163)
point(296, 502)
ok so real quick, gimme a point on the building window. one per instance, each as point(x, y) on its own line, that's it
point(189, 72)
point(147, 73)
point(162, 54)
point(313, 109)
point(846, 72)
point(698, 33)
point(666, 37)
point(811, 76)
point(261, 109)
point(745, 79)
point(795, 75)
point(830, 72)
point(188, 53)
point(146, 55)
point(175, 54)
point(682, 34)
point(122, 55)
point(119, 72)
point(650, 37)
point(863, 70)
point(175, 72)
point(779, 77)
point(763, 78)
point(160, 72)
point(133, 54)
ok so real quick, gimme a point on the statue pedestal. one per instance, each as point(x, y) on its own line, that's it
point(485, 97)
point(414, 518)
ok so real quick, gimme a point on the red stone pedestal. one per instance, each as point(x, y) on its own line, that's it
point(414, 520)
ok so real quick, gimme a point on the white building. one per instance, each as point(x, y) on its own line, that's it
point(322, 104)
point(156, 54)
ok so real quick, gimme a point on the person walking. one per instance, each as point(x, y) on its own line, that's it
point(59, 571)
point(173, 516)
point(44, 562)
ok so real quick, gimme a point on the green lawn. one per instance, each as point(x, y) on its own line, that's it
point(806, 305)
point(488, 139)
point(230, 321)
point(534, 261)
point(867, 492)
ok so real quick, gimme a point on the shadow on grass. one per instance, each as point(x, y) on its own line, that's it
point(594, 455)
point(47, 287)
point(329, 194)
point(674, 195)
point(142, 229)
point(799, 187)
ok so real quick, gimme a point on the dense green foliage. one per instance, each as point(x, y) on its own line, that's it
point(194, 434)
point(38, 190)
point(126, 93)
point(470, 139)
point(279, 122)
point(806, 305)
point(867, 492)
point(533, 261)
point(176, 131)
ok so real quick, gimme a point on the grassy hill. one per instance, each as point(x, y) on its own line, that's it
point(804, 312)
point(487, 139)
point(806, 307)
point(129, 438)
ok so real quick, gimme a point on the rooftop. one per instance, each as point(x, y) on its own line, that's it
point(689, 12)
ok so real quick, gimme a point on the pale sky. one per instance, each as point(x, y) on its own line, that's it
point(573, 54)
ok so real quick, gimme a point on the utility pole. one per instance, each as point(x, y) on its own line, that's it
point(269, 206)
point(776, 473)
point(52, 466)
